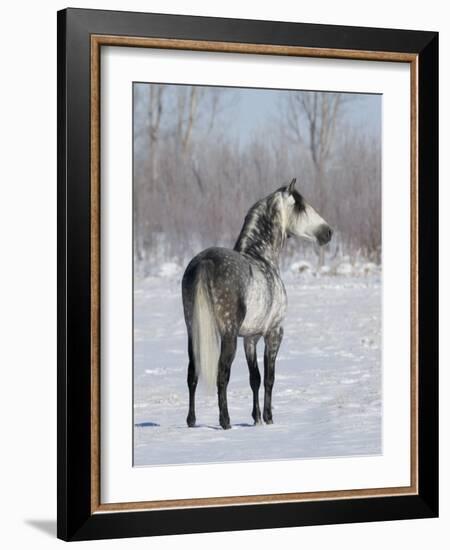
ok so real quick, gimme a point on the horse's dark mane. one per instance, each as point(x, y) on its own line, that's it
point(262, 235)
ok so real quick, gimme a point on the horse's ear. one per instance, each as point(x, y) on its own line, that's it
point(292, 186)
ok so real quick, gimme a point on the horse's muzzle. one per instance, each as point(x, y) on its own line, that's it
point(324, 234)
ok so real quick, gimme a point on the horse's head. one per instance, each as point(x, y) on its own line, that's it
point(301, 218)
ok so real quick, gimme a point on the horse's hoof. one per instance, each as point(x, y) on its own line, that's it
point(268, 420)
point(258, 422)
point(190, 422)
point(224, 421)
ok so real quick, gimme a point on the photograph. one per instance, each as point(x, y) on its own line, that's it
point(247, 274)
point(257, 274)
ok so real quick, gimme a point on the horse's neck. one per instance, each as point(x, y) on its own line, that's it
point(261, 236)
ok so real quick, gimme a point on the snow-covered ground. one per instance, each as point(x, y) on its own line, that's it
point(327, 393)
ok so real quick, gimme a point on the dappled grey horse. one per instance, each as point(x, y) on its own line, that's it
point(230, 293)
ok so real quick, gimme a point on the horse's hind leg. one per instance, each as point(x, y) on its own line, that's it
point(192, 379)
point(272, 340)
point(255, 378)
point(227, 353)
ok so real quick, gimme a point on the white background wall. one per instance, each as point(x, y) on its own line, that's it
point(28, 274)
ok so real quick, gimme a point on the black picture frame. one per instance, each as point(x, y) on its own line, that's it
point(76, 521)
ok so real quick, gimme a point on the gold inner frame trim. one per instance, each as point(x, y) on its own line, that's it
point(97, 41)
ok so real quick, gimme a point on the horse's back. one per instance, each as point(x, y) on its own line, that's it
point(223, 265)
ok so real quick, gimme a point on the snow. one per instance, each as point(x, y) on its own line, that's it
point(169, 269)
point(344, 269)
point(301, 266)
point(327, 393)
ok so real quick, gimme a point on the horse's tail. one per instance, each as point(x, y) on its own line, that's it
point(205, 333)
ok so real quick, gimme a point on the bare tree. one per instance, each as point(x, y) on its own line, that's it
point(147, 180)
point(196, 176)
point(155, 111)
point(311, 119)
point(188, 101)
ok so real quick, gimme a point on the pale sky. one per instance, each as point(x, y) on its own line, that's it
point(247, 110)
point(256, 105)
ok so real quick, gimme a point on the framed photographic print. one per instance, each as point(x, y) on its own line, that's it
point(247, 257)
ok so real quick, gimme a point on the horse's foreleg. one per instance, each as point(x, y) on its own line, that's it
point(227, 353)
point(192, 380)
point(272, 340)
point(255, 378)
